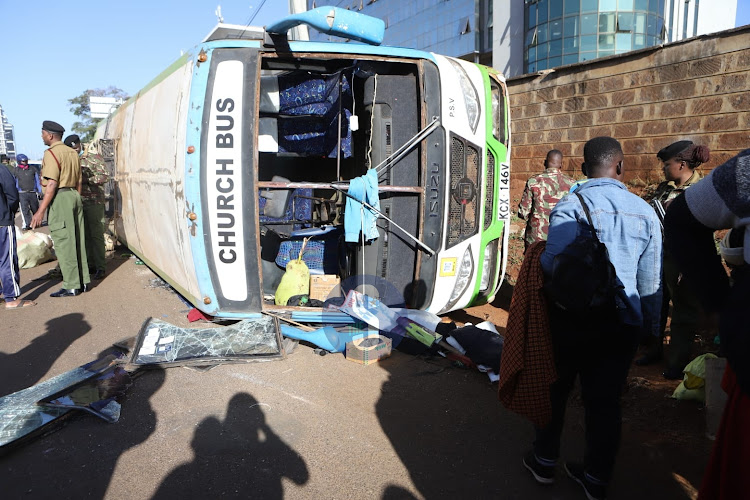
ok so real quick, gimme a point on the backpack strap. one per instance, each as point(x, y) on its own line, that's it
point(588, 215)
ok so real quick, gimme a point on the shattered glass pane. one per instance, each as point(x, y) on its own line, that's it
point(96, 395)
point(160, 342)
point(20, 415)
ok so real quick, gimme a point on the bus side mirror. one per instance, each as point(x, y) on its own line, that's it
point(334, 21)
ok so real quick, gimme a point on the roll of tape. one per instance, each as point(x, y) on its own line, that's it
point(368, 343)
point(368, 349)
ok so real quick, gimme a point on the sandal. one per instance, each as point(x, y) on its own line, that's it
point(20, 305)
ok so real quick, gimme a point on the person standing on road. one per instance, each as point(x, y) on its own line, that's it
point(61, 178)
point(680, 161)
point(10, 277)
point(29, 189)
point(94, 174)
point(599, 348)
point(541, 194)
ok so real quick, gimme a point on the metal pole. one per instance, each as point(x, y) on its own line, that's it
point(407, 233)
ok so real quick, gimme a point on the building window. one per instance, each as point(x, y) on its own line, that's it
point(623, 42)
point(542, 33)
point(590, 5)
point(570, 26)
point(607, 22)
point(555, 9)
point(606, 42)
point(542, 12)
point(572, 6)
point(589, 24)
point(624, 22)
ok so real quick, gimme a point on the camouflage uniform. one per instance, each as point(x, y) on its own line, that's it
point(686, 309)
point(541, 194)
point(667, 191)
point(95, 174)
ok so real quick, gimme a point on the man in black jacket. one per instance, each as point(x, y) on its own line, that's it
point(29, 189)
point(9, 274)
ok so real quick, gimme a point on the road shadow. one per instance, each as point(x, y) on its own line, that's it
point(26, 367)
point(445, 425)
point(455, 439)
point(504, 295)
point(239, 457)
point(79, 460)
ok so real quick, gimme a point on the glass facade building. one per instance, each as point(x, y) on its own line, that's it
point(559, 32)
point(7, 141)
point(458, 28)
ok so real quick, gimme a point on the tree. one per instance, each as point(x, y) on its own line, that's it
point(79, 106)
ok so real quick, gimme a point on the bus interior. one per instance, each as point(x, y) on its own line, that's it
point(322, 123)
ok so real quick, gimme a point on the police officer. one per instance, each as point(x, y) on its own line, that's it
point(94, 173)
point(680, 160)
point(61, 179)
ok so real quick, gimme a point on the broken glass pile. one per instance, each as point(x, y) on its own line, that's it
point(161, 343)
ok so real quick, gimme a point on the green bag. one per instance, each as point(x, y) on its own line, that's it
point(296, 279)
point(694, 381)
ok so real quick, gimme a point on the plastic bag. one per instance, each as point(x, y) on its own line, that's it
point(33, 249)
point(693, 385)
point(296, 280)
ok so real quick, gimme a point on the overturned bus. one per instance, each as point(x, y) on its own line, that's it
point(251, 142)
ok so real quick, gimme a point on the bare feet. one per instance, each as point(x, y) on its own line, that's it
point(19, 304)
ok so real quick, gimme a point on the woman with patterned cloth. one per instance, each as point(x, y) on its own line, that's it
point(680, 161)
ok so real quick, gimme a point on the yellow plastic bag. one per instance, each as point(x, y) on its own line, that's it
point(694, 382)
point(296, 279)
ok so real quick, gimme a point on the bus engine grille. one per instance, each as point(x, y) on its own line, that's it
point(465, 172)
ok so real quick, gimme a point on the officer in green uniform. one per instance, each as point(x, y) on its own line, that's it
point(94, 172)
point(680, 160)
point(61, 179)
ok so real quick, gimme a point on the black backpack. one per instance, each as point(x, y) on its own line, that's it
point(583, 278)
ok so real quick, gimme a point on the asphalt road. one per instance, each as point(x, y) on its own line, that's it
point(303, 427)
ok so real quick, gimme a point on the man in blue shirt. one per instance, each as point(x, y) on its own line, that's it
point(10, 278)
point(600, 348)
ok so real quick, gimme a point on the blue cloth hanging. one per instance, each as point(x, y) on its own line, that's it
point(358, 218)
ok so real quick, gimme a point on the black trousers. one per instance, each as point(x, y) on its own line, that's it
point(598, 350)
point(29, 206)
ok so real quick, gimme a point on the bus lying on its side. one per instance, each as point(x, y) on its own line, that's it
point(248, 143)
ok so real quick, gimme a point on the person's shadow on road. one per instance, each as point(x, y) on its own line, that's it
point(26, 367)
point(239, 457)
point(53, 467)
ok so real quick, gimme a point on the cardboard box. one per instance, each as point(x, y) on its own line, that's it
point(323, 286)
point(368, 350)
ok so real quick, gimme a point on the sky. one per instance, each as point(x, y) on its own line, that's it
point(53, 51)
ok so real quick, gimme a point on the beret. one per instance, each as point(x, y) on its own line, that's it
point(53, 127)
point(673, 150)
point(72, 140)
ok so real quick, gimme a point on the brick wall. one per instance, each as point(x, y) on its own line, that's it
point(695, 89)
